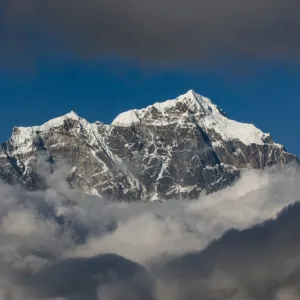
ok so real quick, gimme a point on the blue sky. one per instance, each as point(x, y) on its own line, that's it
point(266, 95)
point(101, 58)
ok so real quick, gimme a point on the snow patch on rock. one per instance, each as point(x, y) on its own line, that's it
point(200, 109)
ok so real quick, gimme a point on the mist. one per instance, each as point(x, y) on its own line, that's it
point(61, 242)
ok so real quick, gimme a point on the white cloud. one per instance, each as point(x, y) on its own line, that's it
point(39, 228)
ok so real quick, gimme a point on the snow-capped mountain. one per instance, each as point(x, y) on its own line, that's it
point(180, 148)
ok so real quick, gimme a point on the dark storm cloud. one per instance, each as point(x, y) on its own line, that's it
point(167, 31)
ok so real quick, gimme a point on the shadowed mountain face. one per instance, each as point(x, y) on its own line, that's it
point(93, 278)
point(180, 148)
point(259, 263)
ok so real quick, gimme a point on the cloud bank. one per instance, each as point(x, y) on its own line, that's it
point(63, 244)
point(168, 31)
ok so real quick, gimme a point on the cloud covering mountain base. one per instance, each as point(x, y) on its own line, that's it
point(62, 243)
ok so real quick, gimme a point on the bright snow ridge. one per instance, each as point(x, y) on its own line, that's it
point(23, 135)
point(203, 111)
point(207, 115)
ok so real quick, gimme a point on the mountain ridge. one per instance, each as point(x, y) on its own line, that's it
point(180, 148)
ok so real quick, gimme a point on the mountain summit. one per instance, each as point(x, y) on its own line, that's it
point(177, 149)
point(198, 109)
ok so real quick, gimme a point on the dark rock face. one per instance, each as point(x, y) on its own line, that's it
point(182, 148)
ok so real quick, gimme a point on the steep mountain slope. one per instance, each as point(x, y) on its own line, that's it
point(180, 148)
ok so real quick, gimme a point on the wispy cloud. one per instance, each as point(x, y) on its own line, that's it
point(51, 238)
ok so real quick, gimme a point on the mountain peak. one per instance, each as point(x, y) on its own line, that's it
point(192, 109)
point(176, 149)
point(22, 134)
point(187, 110)
point(190, 100)
point(72, 115)
point(200, 103)
point(191, 94)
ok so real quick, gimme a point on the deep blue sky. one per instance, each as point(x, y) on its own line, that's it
point(101, 58)
point(266, 95)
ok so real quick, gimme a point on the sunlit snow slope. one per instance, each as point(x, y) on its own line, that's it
point(177, 149)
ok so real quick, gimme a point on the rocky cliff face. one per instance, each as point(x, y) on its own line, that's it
point(180, 148)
